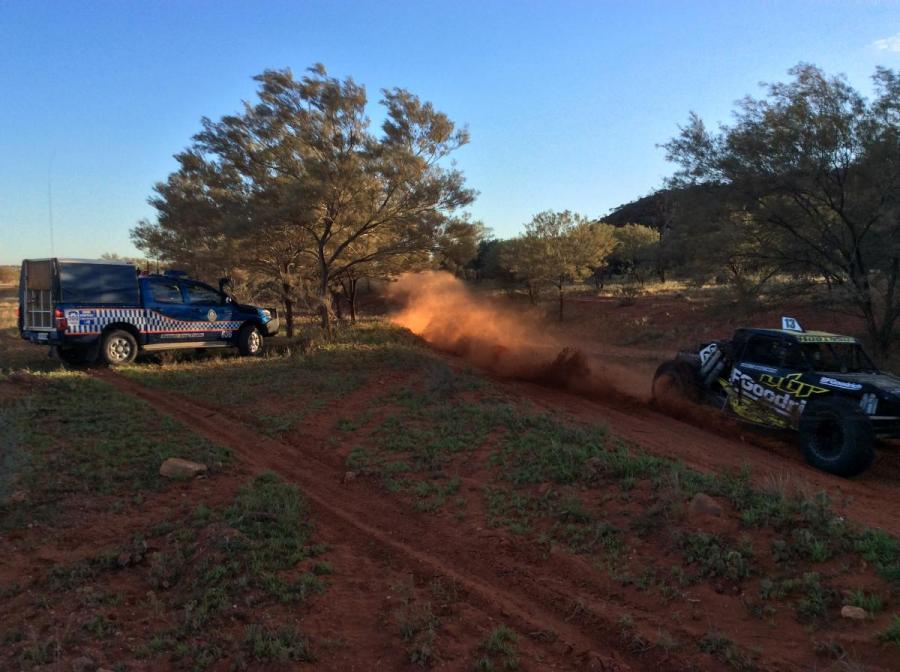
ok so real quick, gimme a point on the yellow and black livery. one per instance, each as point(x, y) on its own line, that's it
point(820, 384)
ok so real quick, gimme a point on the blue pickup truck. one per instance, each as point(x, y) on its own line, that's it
point(97, 310)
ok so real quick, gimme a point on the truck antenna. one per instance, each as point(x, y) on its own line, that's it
point(50, 200)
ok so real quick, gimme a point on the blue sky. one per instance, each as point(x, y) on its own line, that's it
point(566, 101)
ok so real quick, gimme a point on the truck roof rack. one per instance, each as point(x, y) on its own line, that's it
point(72, 260)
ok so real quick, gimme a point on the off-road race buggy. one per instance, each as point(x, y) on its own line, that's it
point(821, 385)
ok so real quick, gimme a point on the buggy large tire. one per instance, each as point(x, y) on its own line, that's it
point(250, 341)
point(675, 381)
point(118, 347)
point(836, 436)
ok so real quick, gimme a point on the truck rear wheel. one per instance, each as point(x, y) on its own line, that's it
point(250, 341)
point(837, 437)
point(675, 381)
point(119, 347)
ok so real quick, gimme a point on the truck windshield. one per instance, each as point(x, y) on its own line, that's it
point(98, 284)
point(838, 358)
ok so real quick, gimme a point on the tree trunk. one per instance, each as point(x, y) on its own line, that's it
point(336, 305)
point(288, 301)
point(531, 296)
point(352, 297)
point(560, 287)
point(348, 287)
point(324, 312)
point(885, 331)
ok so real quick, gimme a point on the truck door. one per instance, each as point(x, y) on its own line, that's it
point(765, 384)
point(210, 311)
point(170, 320)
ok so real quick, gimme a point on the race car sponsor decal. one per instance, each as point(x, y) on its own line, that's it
point(748, 387)
point(791, 384)
point(843, 384)
point(869, 403)
point(211, 315)
point(786, 396)
point(711, 363)
point(747, 406)
point(818, 338)
point(760, 367)
point(708, 352)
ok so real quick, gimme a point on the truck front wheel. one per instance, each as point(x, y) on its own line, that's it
point(119, 347)
point(250, 341)
point(837, 437)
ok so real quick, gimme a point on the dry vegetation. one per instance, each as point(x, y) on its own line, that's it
point(372, 503)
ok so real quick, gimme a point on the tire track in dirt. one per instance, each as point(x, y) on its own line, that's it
point(536, 600)
point(364, 402)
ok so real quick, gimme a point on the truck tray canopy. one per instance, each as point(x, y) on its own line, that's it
point(102, 284)
point(46, 283)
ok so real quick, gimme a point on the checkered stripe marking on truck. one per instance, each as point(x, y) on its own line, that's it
point(91, 321)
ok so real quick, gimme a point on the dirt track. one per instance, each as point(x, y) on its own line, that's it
point(615, 392)
point(508, 583)
point(567, 609)
point(708, 443)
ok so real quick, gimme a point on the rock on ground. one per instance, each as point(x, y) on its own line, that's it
point(703, 504)
point(856, 613)
point(175, 467)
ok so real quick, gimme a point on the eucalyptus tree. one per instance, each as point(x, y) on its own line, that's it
point(814, 170)
point(558, 249)
point(302, 170)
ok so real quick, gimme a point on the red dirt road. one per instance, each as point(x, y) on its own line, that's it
point(502, 582)
point(567, 611)
point(872, 498)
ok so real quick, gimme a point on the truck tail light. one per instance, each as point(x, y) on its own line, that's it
point(61, 322)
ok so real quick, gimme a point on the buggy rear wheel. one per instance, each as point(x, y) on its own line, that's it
point(675, 381)
point(837, 437)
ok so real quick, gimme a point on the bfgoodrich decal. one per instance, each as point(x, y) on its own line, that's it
point(783, 403)
point(844, 385)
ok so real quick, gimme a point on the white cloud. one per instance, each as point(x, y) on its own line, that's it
point(891, 43)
